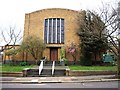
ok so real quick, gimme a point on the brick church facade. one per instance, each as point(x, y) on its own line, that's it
point(57, 27)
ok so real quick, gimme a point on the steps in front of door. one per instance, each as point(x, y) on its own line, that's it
point(49, 63)
point(47, 71)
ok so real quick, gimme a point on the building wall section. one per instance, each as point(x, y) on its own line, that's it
point(34, 25)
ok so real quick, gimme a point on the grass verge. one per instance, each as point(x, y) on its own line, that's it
point(76, 67)
point(10, 68)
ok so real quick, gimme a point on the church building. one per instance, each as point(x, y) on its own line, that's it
point(57, 27)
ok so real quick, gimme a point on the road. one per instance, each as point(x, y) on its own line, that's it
point(113, 84)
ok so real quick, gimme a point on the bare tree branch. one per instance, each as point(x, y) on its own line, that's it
point(10, 37)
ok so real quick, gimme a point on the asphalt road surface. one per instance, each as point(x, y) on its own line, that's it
point(112, 84)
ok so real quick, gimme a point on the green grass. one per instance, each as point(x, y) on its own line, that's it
point(9, 68)
point(75, 67)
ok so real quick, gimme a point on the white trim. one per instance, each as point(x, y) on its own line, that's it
point(52, 32)
point(56, 32)
point(48, 32)
point(60, 30)
point(53, 68)
point(40, 67)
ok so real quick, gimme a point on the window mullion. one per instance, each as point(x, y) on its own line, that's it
point(48, 32)
point(60, 30)
point(52, 32)
point(56, 31)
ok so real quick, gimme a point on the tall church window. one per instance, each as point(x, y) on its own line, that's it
point(54, 31)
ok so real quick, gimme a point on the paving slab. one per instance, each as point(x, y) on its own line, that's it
point(65, 79)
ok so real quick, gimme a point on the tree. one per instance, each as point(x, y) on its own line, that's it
point(12, 52)
point(117, 14)
point(10, 37)
point(33, 45)
point(72, 50)
point(91, 33)
point(112, 25)
point(62, 53)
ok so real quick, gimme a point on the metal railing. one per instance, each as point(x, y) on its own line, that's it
point(40, 67)
point(53, 68)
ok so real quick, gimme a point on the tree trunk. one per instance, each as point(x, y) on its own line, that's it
point(95, 58)
point(26, 56)
point(13, 60)
point(118, 73)
point(23, 56)
point(74, 58)
point(36, 61)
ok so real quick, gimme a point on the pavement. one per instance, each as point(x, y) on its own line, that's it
point(66, 79)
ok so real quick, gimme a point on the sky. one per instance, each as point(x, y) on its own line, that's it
point(12, 12)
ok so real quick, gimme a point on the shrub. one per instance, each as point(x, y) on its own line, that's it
point(85, 61)
point(65, 61)
point(23, 63)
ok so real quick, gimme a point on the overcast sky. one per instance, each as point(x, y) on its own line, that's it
point(12, 12)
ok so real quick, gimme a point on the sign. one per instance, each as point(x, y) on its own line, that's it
point(108, 57)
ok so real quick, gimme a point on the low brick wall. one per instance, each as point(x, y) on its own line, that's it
point(11, 74)
point(87, 73)
point(34, 72)
point(68, 73)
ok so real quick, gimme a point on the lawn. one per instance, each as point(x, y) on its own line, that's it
point(9, 68)
point(75, 67)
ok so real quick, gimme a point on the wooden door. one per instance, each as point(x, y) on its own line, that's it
point(53, 54)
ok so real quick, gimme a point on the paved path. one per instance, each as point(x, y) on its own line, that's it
point(113, 84)
point(65, 79)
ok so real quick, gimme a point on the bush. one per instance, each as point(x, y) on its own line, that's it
point(85, 61)
point(65, 61)
point(23, 63)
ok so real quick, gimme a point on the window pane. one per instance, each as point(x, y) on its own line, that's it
point(54, 30)
point(54, 35)
point(45, 35)
point(62, 38)
point(58, 22)
point(58, 34)
point(62, 30)
point(50, 22)
point(54, 22)
point(62, 22)
point(46, 22)
point(45, 30)
point(50, 34)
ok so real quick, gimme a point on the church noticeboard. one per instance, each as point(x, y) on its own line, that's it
point(108, 57)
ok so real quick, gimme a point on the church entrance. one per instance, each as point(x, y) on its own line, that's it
point(54, 54)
